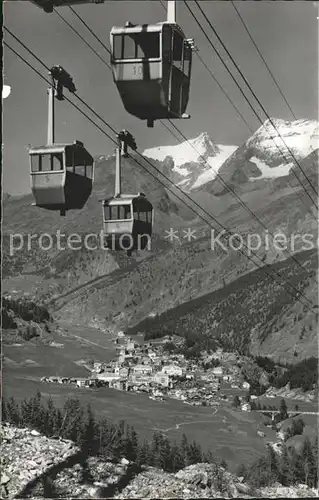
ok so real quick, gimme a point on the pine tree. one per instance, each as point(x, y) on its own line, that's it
point(50, 417)
point(156, 448)
point(283, 410)
point(242, 471)
point(26, 412)
point(178, 462)
point(297, 427)
point(194, 453)
point(13, 412)
point(297, 467)
point(4, 416)
point(209, 457)
point(224, 464)
point(131, 443)
point(285, 471)
point(72, 423)
point(185, 449)
point(165, 455)
point(37, 412)
point(87, 435)
point(143, 454)
point(118, 446)
point(273, 464)
point(309, 464)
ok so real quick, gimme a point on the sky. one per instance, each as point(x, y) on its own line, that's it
point(286, 34)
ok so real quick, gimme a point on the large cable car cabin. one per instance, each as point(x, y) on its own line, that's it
point(128, 222)
point(152, 68)
point(61, 176)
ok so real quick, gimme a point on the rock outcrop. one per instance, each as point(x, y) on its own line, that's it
point(35, 466)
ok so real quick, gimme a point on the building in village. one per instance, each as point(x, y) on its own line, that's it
point(173, 370)
point(86, 382)
point(218, 371)
point(161, 379)
point(141, 369)
point(108, 377)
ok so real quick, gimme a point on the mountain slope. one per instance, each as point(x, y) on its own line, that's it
point(194, 162)
point(108, 290)
point(266, 155)
point(254, 313)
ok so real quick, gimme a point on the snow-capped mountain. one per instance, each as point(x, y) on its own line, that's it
point(271, 152)
point(300, 136)
point(194, 162)
point(276, 139)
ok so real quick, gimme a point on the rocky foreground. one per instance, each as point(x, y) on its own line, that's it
point(36, 466)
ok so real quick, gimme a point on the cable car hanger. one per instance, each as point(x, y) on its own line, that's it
point(127, 218)
point(61, 174)
point(151, 65)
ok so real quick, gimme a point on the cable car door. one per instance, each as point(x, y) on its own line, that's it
point(176, 81)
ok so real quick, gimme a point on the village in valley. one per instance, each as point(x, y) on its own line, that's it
point(150, 367)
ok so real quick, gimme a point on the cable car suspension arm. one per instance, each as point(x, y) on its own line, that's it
point(60, 79)
point(125, 140)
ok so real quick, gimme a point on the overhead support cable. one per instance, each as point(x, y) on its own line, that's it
point(250, 89)
point(284, 284)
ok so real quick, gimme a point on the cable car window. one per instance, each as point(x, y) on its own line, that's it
point(166, 43)
point(129, 47)
point(121, 212)
point(142, 216)
point(89, 171)
point(69, 160)
point(109, 213)
point(187, 60)
point(57, 161)
point(135, 212)
point(35, 163)
point(127, 212)
point(149, 216)
point(117, 46)
point(148, 45)
point(45, 163)
point(177, 50)
point(80, 170)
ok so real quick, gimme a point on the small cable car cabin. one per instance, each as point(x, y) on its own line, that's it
point(61, 176)
point(152, 69)
point(128, 222)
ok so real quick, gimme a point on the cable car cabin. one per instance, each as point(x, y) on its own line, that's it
point(61, 176)
point(128, 222)
point(152, 69)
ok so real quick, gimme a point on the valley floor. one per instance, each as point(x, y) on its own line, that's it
point(229, 434)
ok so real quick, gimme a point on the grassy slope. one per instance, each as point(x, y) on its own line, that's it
point(229, 434)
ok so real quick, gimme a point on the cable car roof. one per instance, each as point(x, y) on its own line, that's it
point(58, 148)
point(143, 28)
point(125, 199)
point(53, 148)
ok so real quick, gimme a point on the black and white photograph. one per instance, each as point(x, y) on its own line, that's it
point(159, 249)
